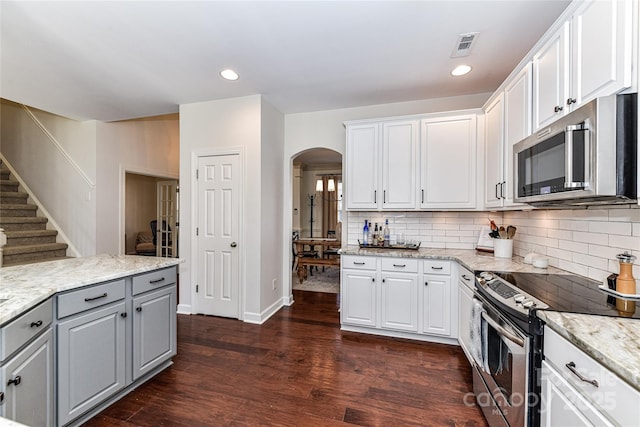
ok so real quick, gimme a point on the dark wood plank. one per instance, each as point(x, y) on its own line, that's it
point(299, 369)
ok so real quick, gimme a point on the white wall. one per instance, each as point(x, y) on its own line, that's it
point(272, 200)
point(149, 146)
point(56, 158)
point(218, 127)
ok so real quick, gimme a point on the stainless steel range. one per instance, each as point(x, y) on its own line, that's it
point(508, 362)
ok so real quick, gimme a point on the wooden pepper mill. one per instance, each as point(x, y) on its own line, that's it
point(626, 284)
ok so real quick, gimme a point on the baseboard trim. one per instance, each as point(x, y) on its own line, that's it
point(184, 309)
point(262, 317)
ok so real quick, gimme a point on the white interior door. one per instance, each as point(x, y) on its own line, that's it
point(167, 216)
point(217, 290)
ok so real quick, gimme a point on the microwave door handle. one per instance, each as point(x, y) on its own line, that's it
point(502, 331)
point(568, 157)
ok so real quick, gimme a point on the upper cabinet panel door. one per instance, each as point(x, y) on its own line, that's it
point(448, 168)
point(362, 166)
point(399, 155)
point(494, 141)
point(517, 124)
point(550, 79)
point(601, 54)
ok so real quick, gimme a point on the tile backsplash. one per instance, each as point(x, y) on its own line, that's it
point(582, 241)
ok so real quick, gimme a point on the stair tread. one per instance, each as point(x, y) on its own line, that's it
point(24, 249)
point(33, 261)
point(30, 233)
point(13, 194)
point(22, 219)
point(19, 206)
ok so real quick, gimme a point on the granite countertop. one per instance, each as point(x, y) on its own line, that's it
point(469, 258)
point(612, 341)
point(25, 286)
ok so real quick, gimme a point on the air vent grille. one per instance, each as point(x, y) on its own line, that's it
point(464, 45)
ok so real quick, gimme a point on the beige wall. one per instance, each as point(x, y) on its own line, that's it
point(140, 207)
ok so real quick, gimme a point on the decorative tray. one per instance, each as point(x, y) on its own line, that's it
point(409, 246)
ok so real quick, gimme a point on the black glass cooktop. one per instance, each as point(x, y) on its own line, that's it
point(573, 294)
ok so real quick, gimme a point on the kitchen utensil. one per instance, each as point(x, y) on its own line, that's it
point(502, 233)
point(511, 231)
point(494, 227)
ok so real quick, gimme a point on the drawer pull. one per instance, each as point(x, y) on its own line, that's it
point(16, 381)
point(436, 268)
point(358, 263)
point(36, 324)
point(95, 298)
point(156, 281)
point(1, 396)
point(400, 265)
point(464, 276)
point(572, 367)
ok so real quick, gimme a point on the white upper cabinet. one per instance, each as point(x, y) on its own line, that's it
point(448, 148)
point(399, 143)
point(589, 56)
point(493, 151)
point(381, 165)
point(362, 166)
point(517, 126)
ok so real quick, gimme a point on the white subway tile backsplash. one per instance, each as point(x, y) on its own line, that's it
point(582, 241)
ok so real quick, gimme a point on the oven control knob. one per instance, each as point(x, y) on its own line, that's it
point(528, 303)
point(518, 298)
point(486, 276)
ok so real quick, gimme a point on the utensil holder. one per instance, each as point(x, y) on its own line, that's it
point(502, 248)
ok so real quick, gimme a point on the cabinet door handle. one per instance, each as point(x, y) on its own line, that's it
point(36, 324)
point(384, 196)
point(496, 191)
point(1, 396)
point(358, 263)
point(384, 280)
point(464, 276)
point(157, 280)
point(426, 283)
point(571, 101)
point(373, 279)
point(95, 298)
point(572, 367)
point(16, 381)
point(557, 109)
point(502, 189)
point(436, 268)
point(138, 309)
point(375, 196)
point(123, 314)
point(400, 265)
point(422, 196)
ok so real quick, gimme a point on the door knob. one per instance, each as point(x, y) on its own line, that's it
point(234, 244)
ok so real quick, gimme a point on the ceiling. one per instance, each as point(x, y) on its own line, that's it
point(114, 60)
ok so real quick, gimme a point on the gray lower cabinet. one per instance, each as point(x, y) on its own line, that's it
point(91, 359)
point(154, 329)
point(27, 381)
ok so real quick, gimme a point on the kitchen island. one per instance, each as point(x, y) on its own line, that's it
point(78, 334)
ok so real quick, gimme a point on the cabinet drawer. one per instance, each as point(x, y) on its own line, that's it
point(17, 333)
point(358, 262)
point(434, 266)
point(612, 396)
point(400, 264)
point(90, 297)
point(153, 280)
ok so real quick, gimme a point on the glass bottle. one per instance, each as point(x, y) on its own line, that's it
point(365, 233)
point(387, 234)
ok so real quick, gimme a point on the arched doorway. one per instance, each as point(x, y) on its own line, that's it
point(317, 209)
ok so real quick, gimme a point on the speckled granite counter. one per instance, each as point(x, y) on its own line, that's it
point(25, 286)
point(612, 341)
point(470, 258)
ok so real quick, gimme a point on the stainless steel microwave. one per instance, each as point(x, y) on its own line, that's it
point(584, 158)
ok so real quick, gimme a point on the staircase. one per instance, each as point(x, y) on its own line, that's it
point(28, 240)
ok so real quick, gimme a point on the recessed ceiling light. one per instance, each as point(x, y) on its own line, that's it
point(461, 70)
point(229, 74)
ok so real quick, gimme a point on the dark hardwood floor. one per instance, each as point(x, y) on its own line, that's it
point(299, 369)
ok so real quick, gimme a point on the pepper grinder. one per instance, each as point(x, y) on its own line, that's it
point(626, 284)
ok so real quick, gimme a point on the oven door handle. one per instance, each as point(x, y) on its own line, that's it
point(502, 331)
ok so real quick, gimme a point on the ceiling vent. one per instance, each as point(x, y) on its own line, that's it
point(464, 45)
